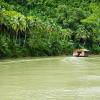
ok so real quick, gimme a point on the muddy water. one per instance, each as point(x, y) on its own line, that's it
point(60, 78)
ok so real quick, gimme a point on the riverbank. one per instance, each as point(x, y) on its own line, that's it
point(22, 59)
point(64, 55)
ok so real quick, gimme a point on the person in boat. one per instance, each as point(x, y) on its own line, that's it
point(80, 53)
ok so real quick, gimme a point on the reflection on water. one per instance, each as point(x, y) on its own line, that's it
point(76, 60)
point(61, 78)
point(59, 94)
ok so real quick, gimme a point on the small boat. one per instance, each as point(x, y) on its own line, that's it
point(81, 53)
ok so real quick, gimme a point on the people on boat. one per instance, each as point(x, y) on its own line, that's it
point(80, 53)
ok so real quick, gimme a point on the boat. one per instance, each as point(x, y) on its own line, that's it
point(81, 53)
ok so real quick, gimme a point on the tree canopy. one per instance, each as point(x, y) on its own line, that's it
point(48, 27)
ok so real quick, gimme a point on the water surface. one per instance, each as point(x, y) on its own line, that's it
point(58, 78)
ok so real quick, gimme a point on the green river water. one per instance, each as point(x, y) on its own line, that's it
point(54, 78)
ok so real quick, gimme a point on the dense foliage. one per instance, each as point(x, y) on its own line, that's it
point(48, 27)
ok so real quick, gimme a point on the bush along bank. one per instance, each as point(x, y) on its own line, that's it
point(48, 27)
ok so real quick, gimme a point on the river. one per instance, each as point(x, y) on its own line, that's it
point(54, 78)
